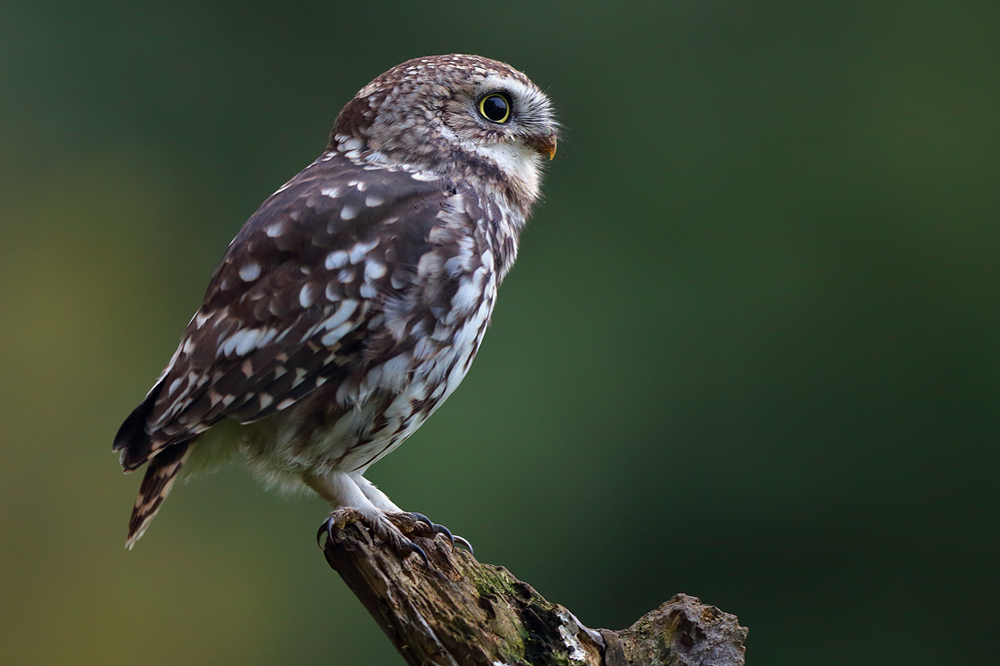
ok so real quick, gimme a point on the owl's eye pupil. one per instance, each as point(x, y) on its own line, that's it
point(495, 108)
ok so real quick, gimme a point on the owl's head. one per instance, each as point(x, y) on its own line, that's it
point(459, 116)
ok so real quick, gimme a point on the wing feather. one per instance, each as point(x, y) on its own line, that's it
point(290, 304)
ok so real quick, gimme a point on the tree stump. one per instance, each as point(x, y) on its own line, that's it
point(459, 612)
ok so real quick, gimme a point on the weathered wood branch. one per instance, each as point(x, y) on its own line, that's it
point(460, 612)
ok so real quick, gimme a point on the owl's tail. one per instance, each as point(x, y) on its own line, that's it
point(160, 477)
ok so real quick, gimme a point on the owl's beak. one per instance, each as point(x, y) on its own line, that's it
point(546, 145)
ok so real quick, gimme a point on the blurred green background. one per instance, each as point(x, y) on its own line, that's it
point(751, 349)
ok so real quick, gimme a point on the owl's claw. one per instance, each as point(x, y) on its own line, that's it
point(437, 528)
point(384, 528)
point(324, 528)
point(336, 521)
point(392, 529)
point(465, 543)
point(407, 546)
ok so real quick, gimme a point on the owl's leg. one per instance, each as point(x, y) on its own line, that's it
point(374, 495)
point(405, 520)
point(352, 505)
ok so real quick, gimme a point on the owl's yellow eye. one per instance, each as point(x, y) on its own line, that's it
point(495, 108)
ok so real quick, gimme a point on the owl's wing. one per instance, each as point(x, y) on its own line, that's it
point(295, 302)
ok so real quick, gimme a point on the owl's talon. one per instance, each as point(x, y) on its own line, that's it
point(385, 529)
point(338, 520)
point(327, 528)
point(404, 520)
point(435, 527)
point(463, 542)
point(408, 521)
point(414, 548)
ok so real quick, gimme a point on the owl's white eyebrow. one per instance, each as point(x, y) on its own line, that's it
point(523, 98)
point(511, 86)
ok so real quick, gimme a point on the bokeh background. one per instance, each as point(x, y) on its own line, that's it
point(751, 349)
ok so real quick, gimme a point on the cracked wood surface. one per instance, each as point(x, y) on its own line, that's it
point(459, 612)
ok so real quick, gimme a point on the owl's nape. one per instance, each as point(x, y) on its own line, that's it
point(353, 302)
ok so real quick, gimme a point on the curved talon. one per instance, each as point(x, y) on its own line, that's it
point(421, 518)
point(441, 529)
point(326, 526)
point(338, 520)
point(462, 541)
point(403, 546)
point(406, 547)
point(435, 527)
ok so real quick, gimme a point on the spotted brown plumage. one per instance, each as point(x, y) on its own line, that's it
point(354, 300)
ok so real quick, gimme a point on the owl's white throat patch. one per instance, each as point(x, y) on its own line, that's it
point(521, 164)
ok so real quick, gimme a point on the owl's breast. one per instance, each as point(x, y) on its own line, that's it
point(419, 345)
point(438, 340)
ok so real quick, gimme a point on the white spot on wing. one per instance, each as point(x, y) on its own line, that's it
point(307, 295)
point(374, 269)
point(250, 271)
point(342, 314)
point(336, 334)
point(360, 250)
point(351, 144)
point(336, 259)
point(348, 212)
point(248, 341)
point(266, 336)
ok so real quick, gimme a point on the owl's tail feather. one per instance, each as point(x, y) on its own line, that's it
point(133, 440)
point(160, 477)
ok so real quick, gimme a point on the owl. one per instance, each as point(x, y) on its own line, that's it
point(354, 300)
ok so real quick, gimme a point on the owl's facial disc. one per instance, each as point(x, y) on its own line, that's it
point(509, 110)
point(508, 122)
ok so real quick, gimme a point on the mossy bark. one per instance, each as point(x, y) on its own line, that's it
point(460, 612)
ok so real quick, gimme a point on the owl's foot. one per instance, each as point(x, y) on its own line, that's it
point(380, 526)
point(437, 528)
point(420, 525)
point(393, 529)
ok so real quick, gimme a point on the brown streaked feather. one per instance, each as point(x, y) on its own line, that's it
point(132, 439)
point(210, 386)
point(160, 477)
